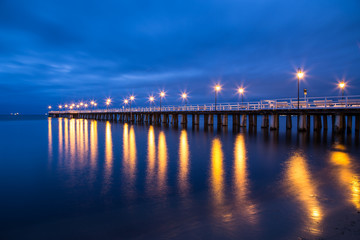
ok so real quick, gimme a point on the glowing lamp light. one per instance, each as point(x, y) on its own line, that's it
point(49, 107)
point(77, 106)
point(241, 90)
point(126, 101)
point(300, 74)
point(342, 85)
point(71, 107)
point(92, 102)
point(85, 105)
point(151, 99)
point(66, 105)
point(162, 94)
point(184, 95)
point(132, 98)
point(95, 104)
point(60, 106)
point(81, 104)
point(217, 88)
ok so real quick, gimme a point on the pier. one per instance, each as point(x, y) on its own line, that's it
point(344, 113)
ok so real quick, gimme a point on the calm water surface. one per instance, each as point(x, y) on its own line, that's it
point(86, 179)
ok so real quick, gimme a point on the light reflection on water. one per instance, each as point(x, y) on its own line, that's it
point(184, 167)
point(108, 157)
point(302, 185)
point(347, 177)
point(246, 207)
point(184, 181)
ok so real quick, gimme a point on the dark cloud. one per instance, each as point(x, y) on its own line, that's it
point(56, 51)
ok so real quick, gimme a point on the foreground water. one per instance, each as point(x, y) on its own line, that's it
point(84, 179)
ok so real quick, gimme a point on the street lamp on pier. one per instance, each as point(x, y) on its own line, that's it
point(132, 98)
point(300, 75)
point(342, 86)
point(151, 100)
point(241, 92)
point(217, 89)
point(162, 95)
point(108, 101)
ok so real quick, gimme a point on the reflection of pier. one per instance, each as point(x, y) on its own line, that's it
point(341, 109)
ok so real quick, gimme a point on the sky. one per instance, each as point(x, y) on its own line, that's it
point(62, 51)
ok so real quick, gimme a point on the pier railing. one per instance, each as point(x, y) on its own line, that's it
point(286, 103)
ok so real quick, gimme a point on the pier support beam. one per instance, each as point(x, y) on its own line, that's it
point(165, 119)
point(325, 122)
point(349, 124)
point(211, 120)
point(274, 122)
point(339, 123)
point(184, 119)
point(357, 123)
point(255, 121)
point(235, 120)
point(251, 121)
point(224, 120)
point(302, 123)
point(265, 121)
point(206, 120)
point(243, 121)
point(196, 119)
point(317, 122)
point(219, 119)
point(175, 120)
point(288, 122)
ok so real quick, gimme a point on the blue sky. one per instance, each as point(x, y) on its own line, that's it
point(55, 52)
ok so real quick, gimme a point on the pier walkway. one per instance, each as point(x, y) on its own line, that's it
point(342, 109)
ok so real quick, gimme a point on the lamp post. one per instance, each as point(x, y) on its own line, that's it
point(131, 99)
point(108, 101)
point(342, 86)
point(162, 94)
point(151, 100)
point(300, 75)
point(217, 89)
point(126, 101)
point(184, 97)
point(92, 105)
point(241, 92)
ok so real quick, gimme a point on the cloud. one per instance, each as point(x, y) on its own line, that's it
point(52, 51)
